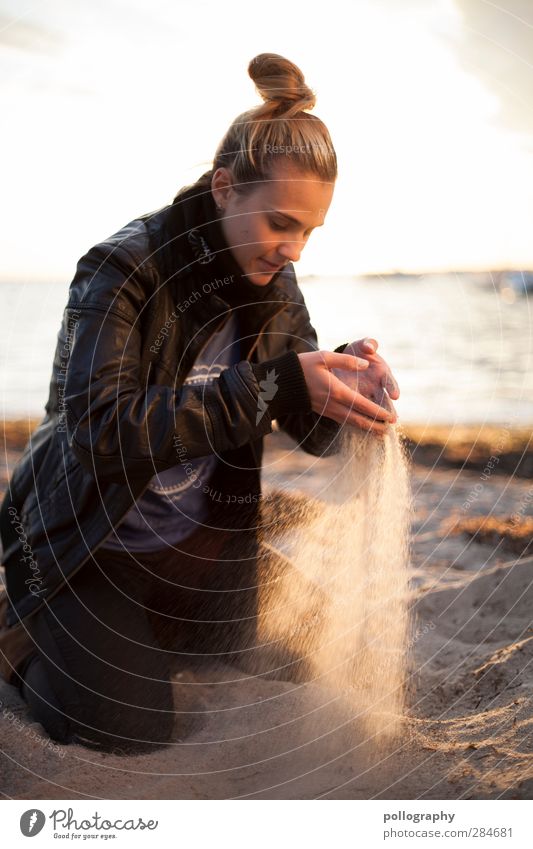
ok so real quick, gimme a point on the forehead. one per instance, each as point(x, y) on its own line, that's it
point(301, 194)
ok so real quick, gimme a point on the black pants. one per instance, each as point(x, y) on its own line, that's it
point(107, 643)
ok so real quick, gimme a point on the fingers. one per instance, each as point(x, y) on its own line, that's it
point(347, 397)
point(388, 382)
point(370, 344)
point(343, 416)
point(385, 402)
point(348, 362)
point(361, 422)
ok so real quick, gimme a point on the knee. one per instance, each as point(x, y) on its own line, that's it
point(132, 720)
point(139, 723)
point(126, 725)
point(42, 701)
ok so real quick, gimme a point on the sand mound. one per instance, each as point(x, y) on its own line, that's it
point(235, 737)
point(495, 605)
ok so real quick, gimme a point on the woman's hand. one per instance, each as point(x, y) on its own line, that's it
point(377, 382)
point(378, 372)
point(330, 395)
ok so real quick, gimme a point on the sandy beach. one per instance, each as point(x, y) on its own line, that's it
point(468, 730)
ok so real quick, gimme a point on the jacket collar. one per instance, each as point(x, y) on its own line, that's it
point(188, 249)
point(185, 266)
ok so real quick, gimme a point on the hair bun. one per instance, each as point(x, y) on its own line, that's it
point(280, 82)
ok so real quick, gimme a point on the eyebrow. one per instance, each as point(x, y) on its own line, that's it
point(290, 218)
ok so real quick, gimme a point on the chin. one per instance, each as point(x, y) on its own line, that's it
point(261, 278)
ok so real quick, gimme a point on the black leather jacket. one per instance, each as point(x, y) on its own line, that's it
point(141, 306)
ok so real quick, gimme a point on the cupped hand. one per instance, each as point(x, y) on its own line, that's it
point(327, 374)
point(377, 381)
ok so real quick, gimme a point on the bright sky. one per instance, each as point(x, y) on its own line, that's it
point(109, 106)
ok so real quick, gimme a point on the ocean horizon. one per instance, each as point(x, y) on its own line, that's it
point(461, 351)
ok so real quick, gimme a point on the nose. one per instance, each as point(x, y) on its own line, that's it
point(290, 250)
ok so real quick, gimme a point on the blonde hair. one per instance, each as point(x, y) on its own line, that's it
point(280, 127)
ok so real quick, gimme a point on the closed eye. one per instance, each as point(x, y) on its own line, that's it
point(286, 225)
point(279, 225)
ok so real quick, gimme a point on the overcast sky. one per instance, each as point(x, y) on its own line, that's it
point(109, 106)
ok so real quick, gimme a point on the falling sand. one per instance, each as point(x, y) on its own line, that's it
point(341, 604)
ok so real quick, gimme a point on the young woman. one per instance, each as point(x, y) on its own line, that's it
point(131, 528)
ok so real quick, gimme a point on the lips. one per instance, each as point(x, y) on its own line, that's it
point(270, 266)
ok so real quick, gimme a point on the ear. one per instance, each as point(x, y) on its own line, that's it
point(222, 186)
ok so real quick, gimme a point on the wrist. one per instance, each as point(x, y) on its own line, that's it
point(282, 385)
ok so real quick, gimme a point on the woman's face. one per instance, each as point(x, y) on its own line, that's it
point(269, 226)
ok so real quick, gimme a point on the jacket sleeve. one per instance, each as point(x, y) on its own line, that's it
point(314, 433)
point(118, 428)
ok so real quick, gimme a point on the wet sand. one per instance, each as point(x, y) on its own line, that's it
point(468, 732)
